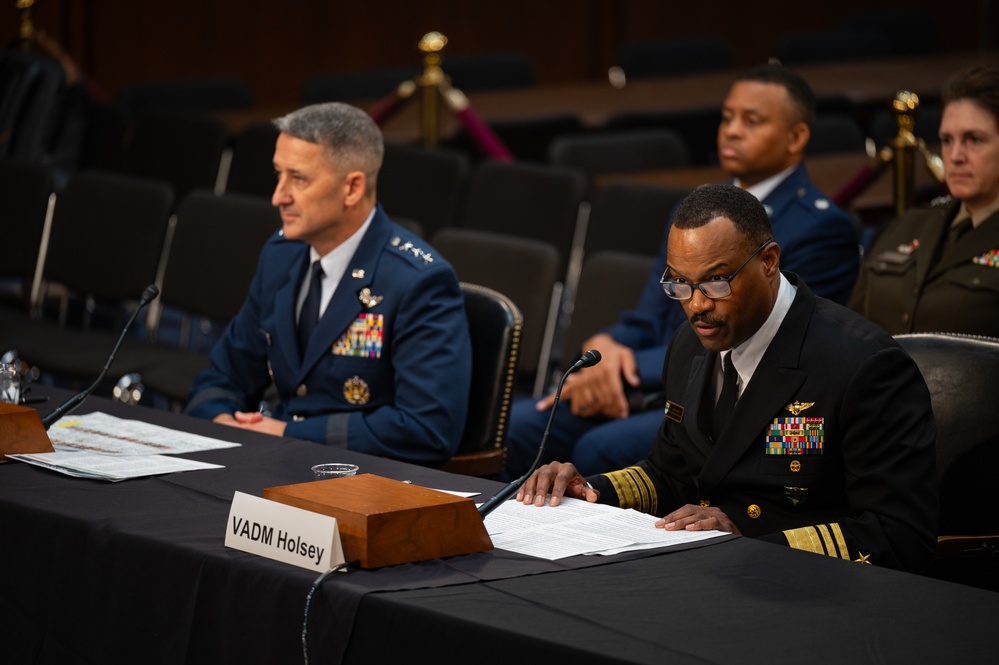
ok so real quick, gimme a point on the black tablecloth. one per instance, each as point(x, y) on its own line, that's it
point(105, 572)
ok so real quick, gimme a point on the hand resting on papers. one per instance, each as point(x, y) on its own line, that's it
point(559, 479)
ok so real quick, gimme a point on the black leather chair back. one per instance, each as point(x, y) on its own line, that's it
point(494, 325)
point(962, 373)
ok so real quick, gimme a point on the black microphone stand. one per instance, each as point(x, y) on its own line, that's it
point(66, 407)
point(589, 359)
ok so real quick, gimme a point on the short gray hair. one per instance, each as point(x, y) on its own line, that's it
point(348, 134)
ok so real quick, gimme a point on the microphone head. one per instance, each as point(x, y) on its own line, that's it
point(150, 293)
point(589, 359)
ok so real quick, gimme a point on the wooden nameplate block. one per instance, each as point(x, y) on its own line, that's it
point(21, 431)
point(385, 522)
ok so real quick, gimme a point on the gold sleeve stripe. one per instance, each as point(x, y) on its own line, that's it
point(822, 539)
point(830, 544)
point(844, 551)
point(805, 538)
point(634, 489)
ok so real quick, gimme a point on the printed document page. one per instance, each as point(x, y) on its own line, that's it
point(99, 466)
point(578, 527)
point(101, 433)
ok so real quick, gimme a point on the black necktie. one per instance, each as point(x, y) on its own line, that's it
point(309, 316)
point(727, 399)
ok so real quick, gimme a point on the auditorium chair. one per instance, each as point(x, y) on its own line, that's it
point(526, 200)
point(630, 217)
point(30, 109)
point(489, 71)
point(525, 270)
point(28, 200)
point(672, 57)
point(697, 126)
point(620, 151)
point(835, 132)
point(105, 245)
point(423, 184)
point(800, 48)
point(198, 95)
point(883, 127)
point(183, 149)
point(348, 86)
point(494, 324)
point(210, 262)
point(610, 283)
point(962, 373)
point(251, 166)
point(908, 31)
point(528, 139)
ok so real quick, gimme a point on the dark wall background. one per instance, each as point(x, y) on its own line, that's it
point(275, 46)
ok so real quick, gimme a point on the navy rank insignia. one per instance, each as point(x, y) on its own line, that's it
point(674, 412)
point(355, 390)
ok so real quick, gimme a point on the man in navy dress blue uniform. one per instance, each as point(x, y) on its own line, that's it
point(789, 418)
point(762, 137)
point(383, 365)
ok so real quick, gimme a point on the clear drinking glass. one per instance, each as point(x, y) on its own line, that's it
point(333, 470)
point(10, 384)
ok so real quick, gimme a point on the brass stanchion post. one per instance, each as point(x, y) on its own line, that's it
point(430, 83)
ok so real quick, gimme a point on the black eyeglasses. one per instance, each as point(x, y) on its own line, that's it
point(717, 287)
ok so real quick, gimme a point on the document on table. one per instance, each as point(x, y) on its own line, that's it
point(101, 433)
point(103, 447)
point(99, 466)
point(578, 527)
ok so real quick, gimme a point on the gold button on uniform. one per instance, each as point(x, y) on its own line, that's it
point(297, 418)
point(705, 503)
point(753, 511)
point(302, 391)
point(795, 466)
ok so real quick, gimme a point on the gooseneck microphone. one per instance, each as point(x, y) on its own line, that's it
point(588, 359)
point(148, 295)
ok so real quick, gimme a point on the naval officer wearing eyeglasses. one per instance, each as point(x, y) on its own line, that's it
point(789, 418)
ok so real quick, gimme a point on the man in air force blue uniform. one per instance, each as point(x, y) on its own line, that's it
point(359, 324)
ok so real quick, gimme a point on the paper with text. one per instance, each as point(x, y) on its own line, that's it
point(578, 527)
point(101, 433)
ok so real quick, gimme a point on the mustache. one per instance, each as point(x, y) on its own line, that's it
point(705, 319)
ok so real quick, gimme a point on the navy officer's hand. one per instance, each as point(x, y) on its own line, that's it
point(697, 518)
point(556, 479)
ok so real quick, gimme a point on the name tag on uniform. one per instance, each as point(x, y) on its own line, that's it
point(796, 435)
point(363, 337)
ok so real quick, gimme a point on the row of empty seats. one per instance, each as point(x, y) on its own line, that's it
point(526, 232)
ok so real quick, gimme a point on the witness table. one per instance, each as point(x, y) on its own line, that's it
point(137, 572)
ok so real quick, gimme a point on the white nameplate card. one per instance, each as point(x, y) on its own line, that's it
point(283, 533)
